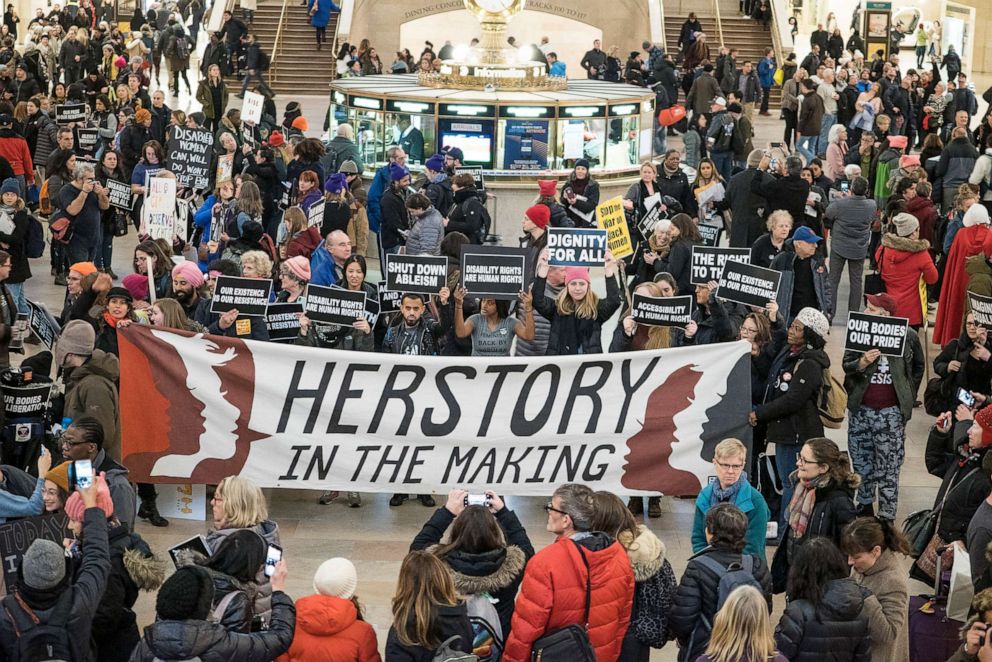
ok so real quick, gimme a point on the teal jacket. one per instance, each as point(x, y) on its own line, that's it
point(751, 503)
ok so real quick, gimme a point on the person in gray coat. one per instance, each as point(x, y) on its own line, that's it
point(342, 148)
point(427, 226)
point(851, 217)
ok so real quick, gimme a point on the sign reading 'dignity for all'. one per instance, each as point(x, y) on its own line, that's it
point(708, 261)
point(610, 217)
point(886, 334)
point(981, 308)
point(426, 274)
point(249, 296)
point(334, 305)
point(576, 247)
point(748, 284)
point(498, 273)
point(662, 311)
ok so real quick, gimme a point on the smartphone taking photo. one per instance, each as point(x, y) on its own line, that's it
point(966, 398)
point(84, 473)
point(272, 557)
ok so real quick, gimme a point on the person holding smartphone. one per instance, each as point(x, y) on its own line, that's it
point(965, 363)
point(82, 201)
point(13, 505)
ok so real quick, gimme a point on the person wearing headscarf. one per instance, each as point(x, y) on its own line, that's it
point(972, 239)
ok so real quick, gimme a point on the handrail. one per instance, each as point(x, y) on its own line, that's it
point(776, 37)
point(278, 39)
point(719, 21)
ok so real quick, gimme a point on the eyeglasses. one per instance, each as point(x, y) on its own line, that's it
point(551, 509)
point(972, 325)
point(802, 462)
point(65, 443)
point(728, 467)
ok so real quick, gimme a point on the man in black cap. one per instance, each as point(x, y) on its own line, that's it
point(23, 87)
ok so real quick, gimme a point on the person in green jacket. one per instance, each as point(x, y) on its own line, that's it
point(731, 486)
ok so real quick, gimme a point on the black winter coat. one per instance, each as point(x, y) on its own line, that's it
point(834, 631)
point(571, 334)
point(680, 265)
point(452, 621)
point(788, 193)
point(698, 594)
point(497, 572)
point(968, 493)
point(20, 269)
point(792, 415)
point(747, 222)
point(466, 215)
point(210, 642)
point(394, 217)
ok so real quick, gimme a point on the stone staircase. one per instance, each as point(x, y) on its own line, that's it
point(297, 66)
point(744, 34)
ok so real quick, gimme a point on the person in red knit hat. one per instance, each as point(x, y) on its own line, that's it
point(534, 224)
point(547, 196)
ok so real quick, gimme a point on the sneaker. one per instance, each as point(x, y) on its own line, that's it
point(635, 505)
point(427, 500)
point(398, 499)
point(327, 497)
point(354, 500)
point(654, 507)
point(60, 279)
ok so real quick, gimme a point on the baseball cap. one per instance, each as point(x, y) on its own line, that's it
point(718, 101)
point(803, 233)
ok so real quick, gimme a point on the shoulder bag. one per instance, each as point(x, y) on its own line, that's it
point(570, 643)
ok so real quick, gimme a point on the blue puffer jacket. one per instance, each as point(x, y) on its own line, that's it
point(750, 502)
point(766, 72)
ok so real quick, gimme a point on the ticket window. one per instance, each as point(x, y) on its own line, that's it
point(369, 128)
point(337, 112)
point(416, 134)
point(580, 139)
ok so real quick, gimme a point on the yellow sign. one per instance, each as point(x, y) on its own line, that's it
point(610, 217)
point(923, 298)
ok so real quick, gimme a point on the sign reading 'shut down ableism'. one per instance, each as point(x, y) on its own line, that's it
point(426, 274)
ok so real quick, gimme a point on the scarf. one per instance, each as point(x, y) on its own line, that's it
point(728, 495)
point(110, 320)
point(801, 506)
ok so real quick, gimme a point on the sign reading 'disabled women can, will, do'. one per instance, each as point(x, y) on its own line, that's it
point(886, 334)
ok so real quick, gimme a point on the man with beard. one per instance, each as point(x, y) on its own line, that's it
point(229, 324)
point(74, 286)
point(188, 287)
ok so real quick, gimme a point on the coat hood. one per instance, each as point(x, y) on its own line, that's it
point(977, 265)
point(102, 364)
point(646, 552)
point(595, 541)
point(324, 615)
point(919, 203)
point(432, 215)
point(486, 572)
point(817, 355)
point(182, 640)
point(904, 244)
point(147, 572)
point(843, 599)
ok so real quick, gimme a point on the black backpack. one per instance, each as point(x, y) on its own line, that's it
point(182, 47)
point(36, 641)
point(264, 61)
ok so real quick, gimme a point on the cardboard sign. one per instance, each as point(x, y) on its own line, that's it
point(708, 261)
point(886, 334)
point(160, 207)
point(981, 308)
point(86, 139)
point(389, 302)
point(120, 194)
point(662, 311)
point(250, 296)
point(315, 215)
point(283, 321)
point(16, 537)
point(748, 284)
point(426, 274)
point(334, 305)
point(610, 217)
point(189, 154)
point(251, 108)
point(711, 234)
point(44, 327)
point(576, 247)
point(66, 113)
point(495, 273)
point(182, 501)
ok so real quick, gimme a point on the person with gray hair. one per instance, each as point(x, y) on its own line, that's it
point(850, 218)
point(784, 189)
point(82, 200)
point(342, 148)
point(579, 562)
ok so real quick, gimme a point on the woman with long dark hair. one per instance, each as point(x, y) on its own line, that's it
point(580, 195)
point(234, 568)
point(684, 236)
point(492, 329)
point(111, 167)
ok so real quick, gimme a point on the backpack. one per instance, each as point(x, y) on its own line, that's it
point(264, 61)
point(831, 403)
point(45, 199)
point(445, 652)
point(736, 574)
point(487, 642)
point(37, 641)
point(34, 243)
point(182, 48)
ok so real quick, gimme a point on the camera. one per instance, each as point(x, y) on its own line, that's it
point(477, 500)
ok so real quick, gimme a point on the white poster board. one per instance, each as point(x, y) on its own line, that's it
point(160, 207)
point(182, 501)
point(251, 108)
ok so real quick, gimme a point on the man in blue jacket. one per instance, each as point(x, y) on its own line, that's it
point(766, 76)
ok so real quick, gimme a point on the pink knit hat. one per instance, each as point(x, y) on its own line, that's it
point(75, 508)
point(576, 273)
point(299, 266)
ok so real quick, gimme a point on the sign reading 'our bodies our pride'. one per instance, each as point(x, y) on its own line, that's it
point(662, 311)
point(334, 305)
point(189, 152)
point(249, 296)
point(426, 274)
point(886, 334)
point(494, 272)
point(610, 217)
point(708, 261)
point(576, 247)
point(748, 284)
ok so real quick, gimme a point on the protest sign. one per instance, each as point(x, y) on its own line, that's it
point(66, 113)
point(315, 215)
point(25, 402)
point(160, 207)
point(120, 194)
point(22, 327)
point(334, 305)
point(284, 197)
point(576, 247)
point(310, 418)
point(250, 296)
point(86, 139)
point(184, 501)
point(283, 321)
point(886, 334)
point(707, 262)
point(251, 107)
point(44, 327)
point(476, 172)
point(183, 551)
point(189, 153)
point(981, 308)
point(17, 535)
point(711, 234)
point(494, 272)
point(748, 284)
point(648, 222)
point(416, 273)
point(662, 311)
point(372, 307)
point(610, 217)
point(389, 302)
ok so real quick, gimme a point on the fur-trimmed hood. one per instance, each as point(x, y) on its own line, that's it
point(147, 572)
point(646, 553)
point(895, 242)
point(486, 572)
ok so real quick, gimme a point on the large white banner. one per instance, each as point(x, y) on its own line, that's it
point(196, 408)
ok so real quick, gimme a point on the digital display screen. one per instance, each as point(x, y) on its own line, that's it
point(474, 137)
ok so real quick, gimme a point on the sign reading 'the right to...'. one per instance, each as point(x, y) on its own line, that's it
point(981, 308)
point(748, 284)
point(708, 261)
point(426, 274)
point(662, 311)
point(886, 334)
point(334, 305)
point(576, 247)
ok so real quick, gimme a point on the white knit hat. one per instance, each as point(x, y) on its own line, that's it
point(336, 578)
point(977, 214)
point(906, 224)
point(815, 321)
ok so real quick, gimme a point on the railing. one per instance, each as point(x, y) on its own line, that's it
point(776, 34)
point(719, 21)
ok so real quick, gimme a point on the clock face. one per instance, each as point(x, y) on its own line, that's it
point(496, 6)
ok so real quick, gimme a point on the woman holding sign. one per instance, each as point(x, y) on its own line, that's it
point(578, 314)
point(683, 235)
point(492, 329)
point(631, 336)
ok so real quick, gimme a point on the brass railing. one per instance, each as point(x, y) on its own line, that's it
point(777, 44)
point(277, 42)
point(719, 21)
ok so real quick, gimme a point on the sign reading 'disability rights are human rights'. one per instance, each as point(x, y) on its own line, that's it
point(576, 247)
point(334, 305)
point(886, 334)
point(494, 272)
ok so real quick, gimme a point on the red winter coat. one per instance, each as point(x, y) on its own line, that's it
point(950, 313)
point(304, 243)
point(902, 261)
point(922, 208)
point(553, 593)
point(15, 150)
point(328, 630)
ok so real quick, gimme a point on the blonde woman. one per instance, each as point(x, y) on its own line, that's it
point(633, 336)
point(742, 631)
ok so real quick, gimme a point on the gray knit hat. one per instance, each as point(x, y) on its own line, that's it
point(78, 337)
point(815, 321)
point(906, 224)
point(349, 167)
point(43, 566)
